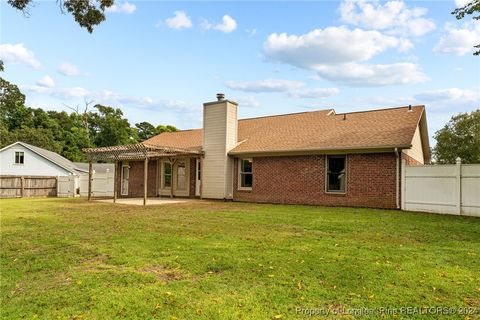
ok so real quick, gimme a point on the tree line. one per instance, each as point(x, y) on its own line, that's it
point(67, 133)
point(102, 126)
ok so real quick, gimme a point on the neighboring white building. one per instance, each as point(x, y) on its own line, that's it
point(23, 159)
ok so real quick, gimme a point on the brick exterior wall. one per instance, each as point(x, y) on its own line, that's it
point(371, 181)
point(135, 183)
point(193, 163)
point(409, 161)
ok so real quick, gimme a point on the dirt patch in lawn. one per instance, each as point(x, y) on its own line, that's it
point(161, 273)
point(100, 263)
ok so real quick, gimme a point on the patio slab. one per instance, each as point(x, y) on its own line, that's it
point(150, 201)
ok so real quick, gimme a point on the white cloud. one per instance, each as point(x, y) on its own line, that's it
point(46, 82)
point(106, 97)
point(69, 69)
point(228, 25)
point(335, 54)
point(179, 21)
point(125, 7)
point(118, 100)
point(459, 41)
point(330, 45)
point(462, 3)
point(62, 93)
point(251, 32)
point(313, 93)
point(247, 102)
point(17, 53)
point(291, 88)
point(394, 17)
point(459, 96)
point(268, 85)
point(355, 74)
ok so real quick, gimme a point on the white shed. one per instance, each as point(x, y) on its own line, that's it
point(23, 159)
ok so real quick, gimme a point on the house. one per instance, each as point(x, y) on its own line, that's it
point(319, 157)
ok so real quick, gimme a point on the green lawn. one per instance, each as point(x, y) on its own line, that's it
point(71, 259)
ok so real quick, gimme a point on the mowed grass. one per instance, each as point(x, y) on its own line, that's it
point(71, 259)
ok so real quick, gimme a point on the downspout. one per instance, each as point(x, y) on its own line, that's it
point(397, 178)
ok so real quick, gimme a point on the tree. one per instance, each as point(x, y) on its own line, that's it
point(473, 7)
point(460, 137)
point(87, 13)
point(145, 130)
point(162, 128)
point(109, 128)
point(13, 112)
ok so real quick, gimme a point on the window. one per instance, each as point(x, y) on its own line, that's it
point(246, 173)
point(167, 175)
point(336, 173)
point(19, 157)
point(181, 175)
point(199, 170)
point(124, 180)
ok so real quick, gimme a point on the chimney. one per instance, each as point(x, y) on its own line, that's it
point(410, 108)
point(219, 137)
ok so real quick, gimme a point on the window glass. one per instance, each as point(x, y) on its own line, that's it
point(336, 173)
point(167, 174)
point(199, 171)
point(246, 173)
point(19, 157)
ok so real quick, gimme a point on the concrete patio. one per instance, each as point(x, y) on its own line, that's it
point(150, 201)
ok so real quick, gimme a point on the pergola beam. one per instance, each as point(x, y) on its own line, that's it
point(138, 151)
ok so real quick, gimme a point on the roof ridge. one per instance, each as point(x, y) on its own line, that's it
point(382, 109)
point(284, 114)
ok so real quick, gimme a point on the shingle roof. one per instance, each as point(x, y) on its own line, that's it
point(310, 131)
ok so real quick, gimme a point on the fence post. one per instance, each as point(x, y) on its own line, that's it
point(458, 186)
point(22, 186)
point(403, 187)
point(90, 180)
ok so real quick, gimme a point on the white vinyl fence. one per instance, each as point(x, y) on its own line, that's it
point(449, 189)
point(102, 185)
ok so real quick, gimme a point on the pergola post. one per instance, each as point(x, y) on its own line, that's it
point(90, 180)
point(145, 179)
point(115, 183)
point(201, 177)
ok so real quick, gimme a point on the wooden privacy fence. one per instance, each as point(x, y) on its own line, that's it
point(449, 189)
point(27, 186)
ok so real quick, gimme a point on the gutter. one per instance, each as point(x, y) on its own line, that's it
point(397, 178)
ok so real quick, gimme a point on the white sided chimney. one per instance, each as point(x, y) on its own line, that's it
point(220, 125)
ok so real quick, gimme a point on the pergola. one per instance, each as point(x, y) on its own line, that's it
point(139, 151)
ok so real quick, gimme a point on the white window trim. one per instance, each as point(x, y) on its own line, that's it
point(326, 174)
point(240, 174)
point(15, 158)
point(185, 176)
point(121, 180)
point(163, 175)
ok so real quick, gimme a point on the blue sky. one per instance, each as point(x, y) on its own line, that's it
point(159, 61)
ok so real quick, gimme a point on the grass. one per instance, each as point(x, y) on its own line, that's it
point(71, 259)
